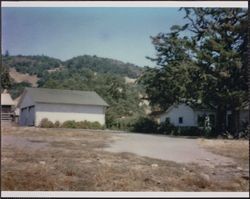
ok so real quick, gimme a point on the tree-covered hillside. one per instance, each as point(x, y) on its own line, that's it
point(39, 65)
point(33, 65)
point(104, 65)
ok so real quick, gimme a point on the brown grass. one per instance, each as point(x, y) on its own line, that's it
point(236, 149)
point(20, 77)
point(74, 161)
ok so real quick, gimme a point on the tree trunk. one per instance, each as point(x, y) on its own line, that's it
point(221, 120)
point(236, 123)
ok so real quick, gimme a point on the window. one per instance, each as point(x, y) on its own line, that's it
point(180, 120)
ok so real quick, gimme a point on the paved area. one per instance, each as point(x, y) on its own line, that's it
point(181, 150)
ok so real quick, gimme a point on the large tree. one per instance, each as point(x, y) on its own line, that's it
point(208, 66)
point(168, 82)
point(220, 37)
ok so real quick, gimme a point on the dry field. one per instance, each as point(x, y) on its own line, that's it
point(36, 159)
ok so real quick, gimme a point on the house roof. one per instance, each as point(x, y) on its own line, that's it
point(6, 98)
point(57, 96)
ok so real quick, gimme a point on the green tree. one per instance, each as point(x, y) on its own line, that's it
point(220, 37)
point(209, 66)
point(5, 78)
point(168, 82)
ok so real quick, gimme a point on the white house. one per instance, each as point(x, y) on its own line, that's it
point(185, 115)
point(60, 105)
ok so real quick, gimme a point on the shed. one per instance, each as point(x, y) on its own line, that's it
point(7, 106)
point(60, 105)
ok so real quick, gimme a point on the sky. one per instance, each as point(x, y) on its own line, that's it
point(118, 33)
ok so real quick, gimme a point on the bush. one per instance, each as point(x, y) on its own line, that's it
point(69, 124)
point(95, 125)
point(57, 124)
point(45, 123)
point(145, 125)
point(83, 125)
point(188, 131)
point(167, 128)
point(89, 125)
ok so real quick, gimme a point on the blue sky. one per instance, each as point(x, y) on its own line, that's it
point(119, 33)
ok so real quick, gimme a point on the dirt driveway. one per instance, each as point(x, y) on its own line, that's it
point(180, 150)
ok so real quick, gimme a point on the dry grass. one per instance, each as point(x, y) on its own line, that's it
point(20, 77)
point(73, 160)
point(236, 149)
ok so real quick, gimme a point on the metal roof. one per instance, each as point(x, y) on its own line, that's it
point(57, 96)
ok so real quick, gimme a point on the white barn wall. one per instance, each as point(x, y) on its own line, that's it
point(181, 110)
point(64, 112)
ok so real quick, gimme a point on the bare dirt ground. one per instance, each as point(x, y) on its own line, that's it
point(20, 77)
point(36, 159)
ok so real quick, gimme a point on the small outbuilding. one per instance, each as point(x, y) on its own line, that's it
point(60, 105)
point(7, 106)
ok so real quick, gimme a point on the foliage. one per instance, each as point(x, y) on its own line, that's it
point(103, 65)
point(145, 125)
point(166, 128)
point(16, 89)
point(45, 123)
point(81, 125)
point(88, 125)
point(39, 65)
point(57, 124)
point(5, 77)
point(33, 65)
point(220, 37)
point(69, 124)
point(209, 66)
point(170, 81)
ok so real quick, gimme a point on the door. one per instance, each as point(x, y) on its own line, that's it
point(31, 116)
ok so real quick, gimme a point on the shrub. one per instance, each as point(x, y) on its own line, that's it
point(188, 131)
point(96, 125)
point(82, 124)
point(69, 124)
point(167, 128)
point(57, 124)
point(145, 125)
point(45, 123)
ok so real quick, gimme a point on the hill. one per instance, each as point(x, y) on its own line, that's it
point(32, 65)
point(42, 65)
point(104, 65)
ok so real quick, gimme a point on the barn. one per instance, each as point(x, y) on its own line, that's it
point(36, 104)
